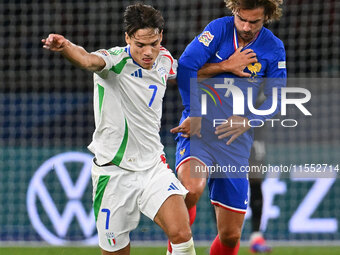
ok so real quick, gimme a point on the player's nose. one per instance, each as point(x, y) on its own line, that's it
point(246, 27)
point(147, 51)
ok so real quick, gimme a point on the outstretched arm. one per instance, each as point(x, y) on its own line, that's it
point(235, 64)
point(77, 55)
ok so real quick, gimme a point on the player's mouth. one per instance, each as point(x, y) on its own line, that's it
point(247, 34)
point(147, 60)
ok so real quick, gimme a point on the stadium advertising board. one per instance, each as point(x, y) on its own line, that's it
point(58, 220)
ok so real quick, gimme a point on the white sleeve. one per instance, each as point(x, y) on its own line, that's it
point(169, 62)
point(174, 70)
point(109, 61)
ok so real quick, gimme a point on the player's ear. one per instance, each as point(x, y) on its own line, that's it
point(265, 21)
point(127, 38)
point(161, 37)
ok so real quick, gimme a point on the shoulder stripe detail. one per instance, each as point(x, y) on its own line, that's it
point(172, 62)
point(119, 67)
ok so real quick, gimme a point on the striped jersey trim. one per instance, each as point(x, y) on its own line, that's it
point(235, 39)
point(170, 57)
point(101, 186)
point(189, 158)
point(172, 62)
point(120, 153)
point(229, 208)
point(101, 91)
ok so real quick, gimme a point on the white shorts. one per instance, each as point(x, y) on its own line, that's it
point(120, 195)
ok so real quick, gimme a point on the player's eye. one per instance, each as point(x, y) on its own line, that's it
point(243, 20)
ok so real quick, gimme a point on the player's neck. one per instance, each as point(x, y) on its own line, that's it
point(244, 43)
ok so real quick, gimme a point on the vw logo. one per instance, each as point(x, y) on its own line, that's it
point(41, 204)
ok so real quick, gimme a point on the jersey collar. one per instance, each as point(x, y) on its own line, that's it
point(127, 49)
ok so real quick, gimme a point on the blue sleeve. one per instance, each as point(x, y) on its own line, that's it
point(196, 54)
point(184, 75)
point(276, 77)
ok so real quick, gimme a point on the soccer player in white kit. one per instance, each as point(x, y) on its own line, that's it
point(129, 172)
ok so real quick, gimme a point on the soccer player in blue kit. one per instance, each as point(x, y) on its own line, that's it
point(229, 47)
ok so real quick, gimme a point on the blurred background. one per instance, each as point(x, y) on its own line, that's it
point(46, 120)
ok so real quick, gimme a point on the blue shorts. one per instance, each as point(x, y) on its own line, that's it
point(227, 189)
point(182, 151)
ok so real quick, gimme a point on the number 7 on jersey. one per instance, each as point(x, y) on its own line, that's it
point(154, 87)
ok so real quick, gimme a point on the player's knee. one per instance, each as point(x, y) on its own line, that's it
point(179, 234)
point(192, 198)
point(181, 237)
point(229, 239)
point(195, 191)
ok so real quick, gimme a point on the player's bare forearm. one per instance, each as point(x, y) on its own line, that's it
point(210, 70)
point(77, 55)
point(235, 64)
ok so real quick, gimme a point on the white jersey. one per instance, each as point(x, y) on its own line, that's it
point(128, 109)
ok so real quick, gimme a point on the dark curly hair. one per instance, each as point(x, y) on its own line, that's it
point(272, 8)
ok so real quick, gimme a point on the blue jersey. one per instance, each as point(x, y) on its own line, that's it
point(217, 43)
